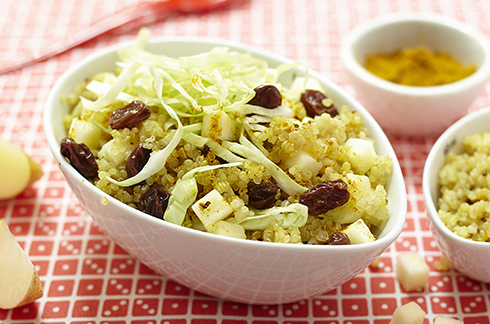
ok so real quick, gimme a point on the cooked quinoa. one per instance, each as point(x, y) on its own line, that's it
point(322, 142)
point(464, 205)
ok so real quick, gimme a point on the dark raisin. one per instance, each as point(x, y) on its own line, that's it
point(130, 115)
point(137, 160)
point(338, 238)
point(80, 157)
point(154, 201)
point(262, 195)
point(266, 96)
point(204, 151)
point(325, 196)
point(312, 101)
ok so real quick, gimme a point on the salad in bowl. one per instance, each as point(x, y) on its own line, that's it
point(228, 169)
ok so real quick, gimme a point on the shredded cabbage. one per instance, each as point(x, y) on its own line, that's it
point(296, 214)
point(157, 159)
point(217, 81)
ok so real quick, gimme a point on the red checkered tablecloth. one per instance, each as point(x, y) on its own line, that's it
point(87, 278)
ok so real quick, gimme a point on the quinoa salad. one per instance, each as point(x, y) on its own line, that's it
point(215, 142)
point(464, 205)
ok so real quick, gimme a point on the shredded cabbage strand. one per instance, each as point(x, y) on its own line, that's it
point(249, 151)
point(296, 214)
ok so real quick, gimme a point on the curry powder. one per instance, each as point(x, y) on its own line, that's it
point(418, 66)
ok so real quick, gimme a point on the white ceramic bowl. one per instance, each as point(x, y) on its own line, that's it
point(238, 270)
point(468, 257)
point(410, 110)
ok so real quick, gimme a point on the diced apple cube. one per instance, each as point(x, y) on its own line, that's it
point(115, 153)
point(412, 271)
point(227, 229)
point(218, 125)
point(212, 208)
point(410, 313)
point(443, 264)
point(441, 319)
point(303, 160)
point(358, 186)
point(360, 154)
point(83, 131)
point(358, 232)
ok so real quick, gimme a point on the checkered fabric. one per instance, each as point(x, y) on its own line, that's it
point(87, 278)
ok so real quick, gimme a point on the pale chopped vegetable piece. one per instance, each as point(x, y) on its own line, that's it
point(219, 125)
point(19, 280)
point(443, 264)
point(86, 132)
point(361, 195)
point(358, 232)
point(115, 152)
point(185, 193)
point(412, 271)
point(17, 170)
point(410, 313)
point(212, 208)
point(360, 154)
point(227, 228)
point(303, 160)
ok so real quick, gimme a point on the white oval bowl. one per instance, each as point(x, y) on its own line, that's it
point(468, 257)
point(238, 270)
point(410, 110)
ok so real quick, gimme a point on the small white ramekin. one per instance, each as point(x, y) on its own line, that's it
point(411, 110)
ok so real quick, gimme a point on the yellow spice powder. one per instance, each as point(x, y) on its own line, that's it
point(418, 66)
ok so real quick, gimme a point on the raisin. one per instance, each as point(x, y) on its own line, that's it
point(338, 238)
point(266, 96)
point(325, 196)
point(262, 195)
point(130, 115)
point(312, 101)
point(154, 201)
point(80, 157)
point(137, 160)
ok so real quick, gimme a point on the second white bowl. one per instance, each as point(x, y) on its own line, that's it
point(468, 257)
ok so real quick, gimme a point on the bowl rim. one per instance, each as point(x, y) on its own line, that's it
point(53, 144)
point(439, 146)
point(352, 65)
